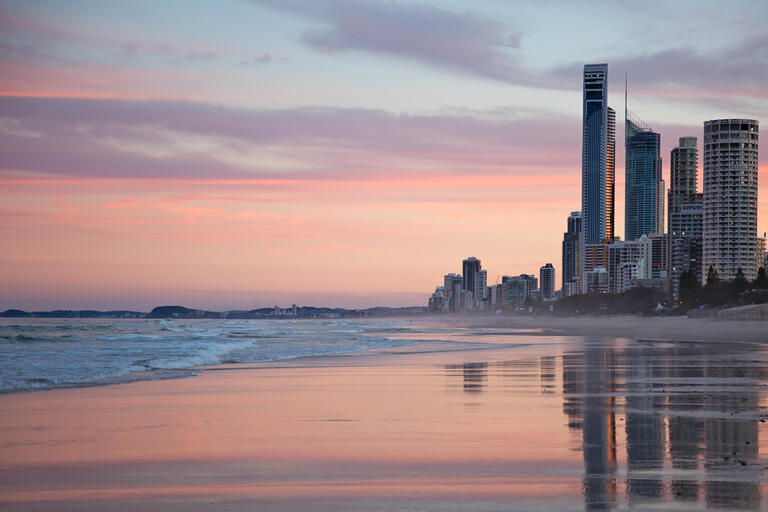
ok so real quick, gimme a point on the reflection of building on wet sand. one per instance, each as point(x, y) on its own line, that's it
point(645, 428)
point(732, 442)
point(704, 396)
point(588, 381)
point(599, 429)
point(475, 375)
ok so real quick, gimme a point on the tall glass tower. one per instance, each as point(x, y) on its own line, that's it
point(594, 154)
point(644, 188)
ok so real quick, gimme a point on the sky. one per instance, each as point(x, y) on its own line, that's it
point(246, 153)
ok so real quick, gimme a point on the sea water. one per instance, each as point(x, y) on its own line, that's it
point(49, 353)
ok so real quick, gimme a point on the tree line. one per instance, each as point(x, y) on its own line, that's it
point(651, 301)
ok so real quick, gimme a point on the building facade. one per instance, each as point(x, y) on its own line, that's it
point(644, 188)
point(685, 239)
point(620, 253)
point(572, 250)
point(730, 197)
point(683, 177)
point(547, 282)
point(469, 269)
point(594, 155)
point(610, 172)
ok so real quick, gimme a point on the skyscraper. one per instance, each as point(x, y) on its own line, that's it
point(572, 250)
point(470, 267)
point(683, 169)
point(594, 155)
point(730, 196)
point(480, 293)
point(644, 188)
point(547, 281)
point(684, 212)
point(685, 240)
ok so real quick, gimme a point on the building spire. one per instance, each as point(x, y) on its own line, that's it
point(625, 97)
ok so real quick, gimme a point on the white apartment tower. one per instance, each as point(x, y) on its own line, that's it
point(730, 197)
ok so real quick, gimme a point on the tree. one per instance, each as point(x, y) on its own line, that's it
point(740, 282)
point(689, 287)
point(713, 278)
point(761, 282)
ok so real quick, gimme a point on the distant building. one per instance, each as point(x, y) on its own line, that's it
point(760, 253)
point(628, 252)
point(596, 280)
point(547, 280)
point(470, 268)
point(518, 289)
point(480, 289)
point(594, 159)
point(453, 284)
point(644, 194)
point(683, 178)
point(437, 301)
point(730, 197)
point(685, 239)
point(659, 255)
point(595, 255)
point(570, 289)
point(628, 273)
point(572, 250)
point(498, 297)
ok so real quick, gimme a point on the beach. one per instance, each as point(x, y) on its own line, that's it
point(510, 415)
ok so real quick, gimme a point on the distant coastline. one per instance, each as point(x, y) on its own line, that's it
point(182, 312)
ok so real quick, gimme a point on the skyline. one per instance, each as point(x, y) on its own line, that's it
point(181, 163)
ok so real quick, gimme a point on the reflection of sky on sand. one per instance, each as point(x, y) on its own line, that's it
point(556, 425)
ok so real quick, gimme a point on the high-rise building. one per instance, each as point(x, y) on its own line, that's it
point(623, 254)
point(594, 156)
point(684, 213)
point(659, 256)
point(683, 174)
point(572, 250)
point(760, 253)
point(470, 267)
point(518, 289)
point(685, 239)
point(437, 301)
point(452, 287)
point(547, 281)
point(644, 188)
point(610, 172)
point(480, 293)
point(730, 197)
point(596, 280)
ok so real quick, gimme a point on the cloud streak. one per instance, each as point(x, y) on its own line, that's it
point(474, 44)
point(118, 138)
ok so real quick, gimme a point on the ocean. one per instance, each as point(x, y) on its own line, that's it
point(38, 354)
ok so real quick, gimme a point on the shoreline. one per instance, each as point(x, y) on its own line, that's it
point(670, 329)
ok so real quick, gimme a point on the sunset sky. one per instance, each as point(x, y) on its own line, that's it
point(237, 154)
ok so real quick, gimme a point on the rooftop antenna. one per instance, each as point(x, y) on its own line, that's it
point(625, 96)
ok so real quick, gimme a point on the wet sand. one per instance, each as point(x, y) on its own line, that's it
point(673, 328)
point(487, 421)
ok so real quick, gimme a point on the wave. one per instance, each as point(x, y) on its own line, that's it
point(100, 351)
